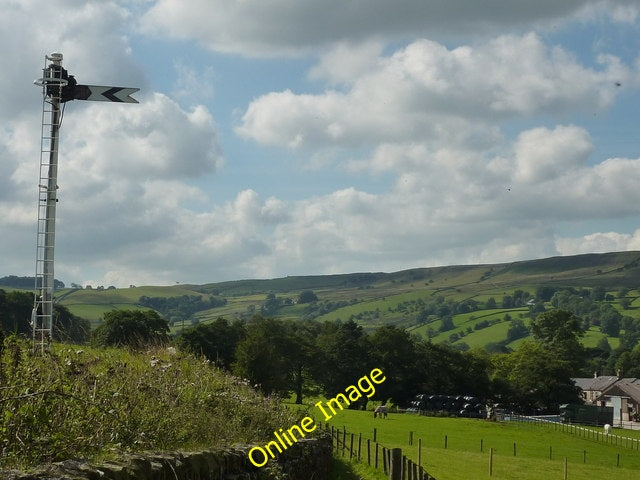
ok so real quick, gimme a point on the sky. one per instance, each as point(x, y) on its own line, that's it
point(305, 137)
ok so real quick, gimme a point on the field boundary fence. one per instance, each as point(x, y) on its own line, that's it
point(390, 460)
point(578, 430)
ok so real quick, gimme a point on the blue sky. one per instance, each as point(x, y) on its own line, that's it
point(297, 137)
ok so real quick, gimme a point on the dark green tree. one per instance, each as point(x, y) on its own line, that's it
point(131, 328)
point(560, 331)
point(394, 352)
point(217, 341)
point(444, 370)
point(598, 293)
point(302, 355)
point(517, 329)
point(344, 355)
point(533, 379)
point(307, 296)
point(262, 356)
point(15, 312)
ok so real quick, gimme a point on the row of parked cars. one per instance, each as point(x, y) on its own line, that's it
point(459, 405)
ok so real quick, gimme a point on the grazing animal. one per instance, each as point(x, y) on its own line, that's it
point(607, 429)
point(381, 410)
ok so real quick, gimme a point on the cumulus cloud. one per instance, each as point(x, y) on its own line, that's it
point(599, 242)
point(428, 91)
point(543, 154)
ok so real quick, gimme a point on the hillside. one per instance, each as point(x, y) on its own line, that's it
point(400, 298)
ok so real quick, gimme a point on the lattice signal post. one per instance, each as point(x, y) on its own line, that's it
point(58, 87)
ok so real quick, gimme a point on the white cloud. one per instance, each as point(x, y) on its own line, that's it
point(600, 242)
point(542, 154)
point(153, 139)
point(426, 91)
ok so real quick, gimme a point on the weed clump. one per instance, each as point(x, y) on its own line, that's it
point(77, 402)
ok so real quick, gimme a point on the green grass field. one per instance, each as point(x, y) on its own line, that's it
point(464, 460)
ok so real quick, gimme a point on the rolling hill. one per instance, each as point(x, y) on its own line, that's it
point(401, 298)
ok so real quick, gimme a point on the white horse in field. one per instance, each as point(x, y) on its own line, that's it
point(381, 410)
point(607, 429)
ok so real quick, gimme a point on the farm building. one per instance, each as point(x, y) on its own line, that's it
point(593, 387)
point(624, 397)
point(623, 394)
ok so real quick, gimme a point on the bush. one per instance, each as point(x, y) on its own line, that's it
point(132, 328)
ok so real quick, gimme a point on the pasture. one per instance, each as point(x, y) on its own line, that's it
point(459, 449)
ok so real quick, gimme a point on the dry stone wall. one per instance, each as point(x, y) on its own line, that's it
point(307, 459)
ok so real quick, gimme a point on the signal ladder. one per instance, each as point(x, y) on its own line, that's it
point(52, 82)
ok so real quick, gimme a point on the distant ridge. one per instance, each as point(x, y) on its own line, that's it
point(592, 268)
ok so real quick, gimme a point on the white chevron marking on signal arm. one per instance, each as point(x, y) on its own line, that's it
point(102, 93)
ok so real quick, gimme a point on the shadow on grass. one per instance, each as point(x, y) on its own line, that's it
point(342, 470)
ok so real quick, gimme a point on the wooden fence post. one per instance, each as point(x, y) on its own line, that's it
point(419, 452)
point(396, 464)
point(368, 452)
point(491, 461)
point(359, 445)
point(410, 438)
point(384, 460)
point(351, 448)
point(344, 439)
point(376, 457)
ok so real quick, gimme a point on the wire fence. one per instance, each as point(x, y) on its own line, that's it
point(391, 460)
point(598, 435)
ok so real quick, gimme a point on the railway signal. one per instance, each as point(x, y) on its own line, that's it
point(58, 87)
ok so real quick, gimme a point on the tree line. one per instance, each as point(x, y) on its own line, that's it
point(309, 357)
point(15, 315)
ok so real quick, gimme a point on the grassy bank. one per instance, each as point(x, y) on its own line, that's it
point(91, 403)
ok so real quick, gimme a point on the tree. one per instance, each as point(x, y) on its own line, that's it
point(217, 341)
point(598, 294)
point(302, 354)
point(517, 329)
point(610, 320)
point(533, 378)
point(507, 301)
point(132, 328)
point(441, 369)
point(344, 355)
point(560, 331)
point(15, 312)
point(446, 324)
point(262, 355)
point(307, 296)
point(271, 305)
point(395, 354)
